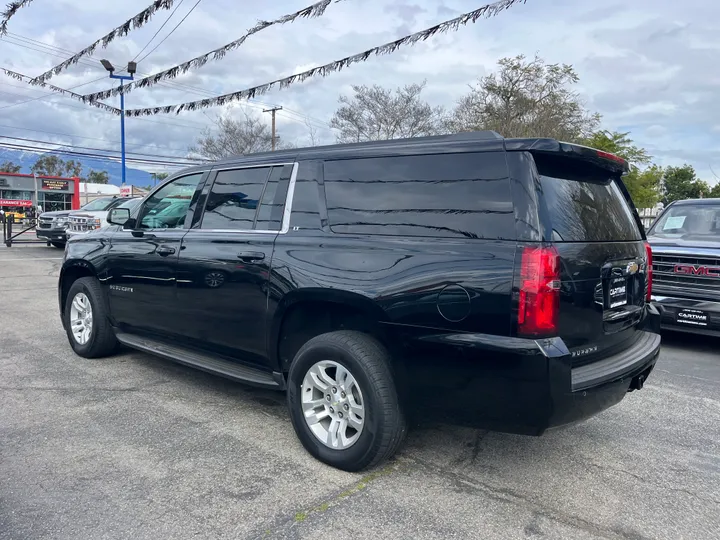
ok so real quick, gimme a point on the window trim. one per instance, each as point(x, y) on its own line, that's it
point(288, 199)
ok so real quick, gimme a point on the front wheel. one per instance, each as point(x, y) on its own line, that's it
point(86, 320)
point(343, 401)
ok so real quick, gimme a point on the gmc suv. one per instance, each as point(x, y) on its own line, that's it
point(686, 265)
point(501, 282)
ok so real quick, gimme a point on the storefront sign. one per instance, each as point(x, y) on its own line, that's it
point(125, 191)
point(55, 185)
point(14, 202)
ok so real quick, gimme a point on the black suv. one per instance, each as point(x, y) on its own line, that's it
point(501, 282)
point(686, 264)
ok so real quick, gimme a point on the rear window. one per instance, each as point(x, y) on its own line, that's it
point(444, 195)
point(584, 202)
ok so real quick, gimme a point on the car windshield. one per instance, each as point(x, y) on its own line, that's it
point(98, 205)
point(130, 203)
point(688, 220)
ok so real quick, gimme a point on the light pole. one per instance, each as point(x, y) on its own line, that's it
point(131, 69)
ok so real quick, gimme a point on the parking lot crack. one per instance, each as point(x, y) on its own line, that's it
point(511, 496)
point(334, 499)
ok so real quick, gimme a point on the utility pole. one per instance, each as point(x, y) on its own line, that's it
point(273, 110)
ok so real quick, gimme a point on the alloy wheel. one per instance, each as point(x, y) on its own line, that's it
point(333, 404)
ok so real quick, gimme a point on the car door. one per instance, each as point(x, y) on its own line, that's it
point(142, 260)
point(226, 258)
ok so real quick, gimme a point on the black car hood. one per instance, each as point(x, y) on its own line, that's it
point(687, 244)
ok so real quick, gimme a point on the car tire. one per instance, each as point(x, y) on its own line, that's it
point(100, 340)
point(368, 362)
point(59, 245)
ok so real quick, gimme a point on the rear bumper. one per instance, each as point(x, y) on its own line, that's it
point(521, 385)
point(689, 315)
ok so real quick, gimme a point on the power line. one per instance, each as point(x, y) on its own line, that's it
point(38, 149)
point(450, 25)
point(314, 10)
point(159, 29)
point(200, 160)
point(135, 22)
point(171, 31)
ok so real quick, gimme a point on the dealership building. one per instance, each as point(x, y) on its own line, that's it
point(22, 191)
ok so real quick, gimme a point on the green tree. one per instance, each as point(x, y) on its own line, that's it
point(97, 177)
point(682, 183)
point(642, 183)
point(715, 191)
point(9, 166)
point(52, 165)
point(526, 98)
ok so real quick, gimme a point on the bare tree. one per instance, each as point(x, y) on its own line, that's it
point(312, 133)
point(233, 137)
point(376, 113)
point(526, 98)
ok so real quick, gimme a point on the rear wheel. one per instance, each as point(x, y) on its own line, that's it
point(86, 320)
point(343, 401)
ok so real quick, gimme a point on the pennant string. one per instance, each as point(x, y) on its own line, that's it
point(315, 10)
point(486, 11)
point(132, 24)
point(63, 91)
point(12, 9)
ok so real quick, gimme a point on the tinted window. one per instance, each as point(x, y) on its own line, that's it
point(689, 220)
point(584, 202)
point(156, 212)
point(273, 199)
point(447, 195)
point(233, 199)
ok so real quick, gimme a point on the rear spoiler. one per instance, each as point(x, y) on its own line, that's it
point(602, 159)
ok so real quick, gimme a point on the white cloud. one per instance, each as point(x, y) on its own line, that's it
point(647, 66)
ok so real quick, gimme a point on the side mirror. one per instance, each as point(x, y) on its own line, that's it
point(118, 216)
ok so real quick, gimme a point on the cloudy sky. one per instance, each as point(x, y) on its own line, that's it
point(645, 65)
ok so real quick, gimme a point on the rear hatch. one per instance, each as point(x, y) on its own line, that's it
point(586, 211)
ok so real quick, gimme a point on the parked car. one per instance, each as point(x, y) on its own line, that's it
point(52, 226)
point(87, 219)
point(686, 266)
point(502, 283)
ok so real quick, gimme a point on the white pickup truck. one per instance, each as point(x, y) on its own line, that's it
point(84, 221)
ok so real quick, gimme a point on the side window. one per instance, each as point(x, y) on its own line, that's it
point(463, 195)
point(233, 199)
point(270, 215)
point(168, 207)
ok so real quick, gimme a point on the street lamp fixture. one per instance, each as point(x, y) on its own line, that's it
point(131, 69)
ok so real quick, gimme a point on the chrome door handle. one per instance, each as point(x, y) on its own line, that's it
point(251, 256)
point(164, 251)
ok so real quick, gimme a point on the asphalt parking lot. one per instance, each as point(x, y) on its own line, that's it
point(137, 447)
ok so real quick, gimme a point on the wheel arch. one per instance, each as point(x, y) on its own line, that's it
point(71, 271)
point(314, 311)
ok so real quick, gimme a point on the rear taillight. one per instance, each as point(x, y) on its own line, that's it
point(648, 272)
point(539, 302)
